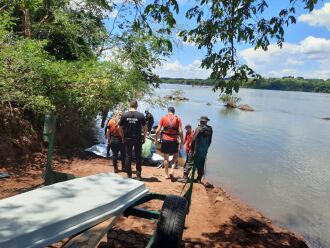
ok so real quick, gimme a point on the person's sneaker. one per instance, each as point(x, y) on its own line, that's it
point(123, 169)
point(115, 170)
point(139, 178)
point(197, 180)
point(208, 185)
point(183, 180)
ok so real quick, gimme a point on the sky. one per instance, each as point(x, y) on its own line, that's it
point(305, 53)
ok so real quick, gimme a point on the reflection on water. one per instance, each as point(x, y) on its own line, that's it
point(277, 158)
point(227, 112)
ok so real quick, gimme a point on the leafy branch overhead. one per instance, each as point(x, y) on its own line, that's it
point(218, 26)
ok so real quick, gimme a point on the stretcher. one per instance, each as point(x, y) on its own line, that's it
point(84, 209)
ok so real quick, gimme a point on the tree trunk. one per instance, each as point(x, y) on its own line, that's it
point(26, 23)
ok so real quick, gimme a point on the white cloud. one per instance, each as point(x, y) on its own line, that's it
point(176, 69)
point(113, 13)
point(318, 17)
point(310, 58)
point(292, 61)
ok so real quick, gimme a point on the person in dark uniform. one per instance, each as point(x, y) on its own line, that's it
point(131, 125)
point(200, 144)
point(150, 120)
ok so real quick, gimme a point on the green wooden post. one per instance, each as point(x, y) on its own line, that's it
point(49, 135)
point(50, 175)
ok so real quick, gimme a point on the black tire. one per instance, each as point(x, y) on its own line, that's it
point(170, 225)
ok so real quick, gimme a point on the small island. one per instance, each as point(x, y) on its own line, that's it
point(231, 101)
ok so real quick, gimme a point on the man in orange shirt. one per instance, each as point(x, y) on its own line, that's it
point(188, 137)
point(171, 127)
point(189, 160)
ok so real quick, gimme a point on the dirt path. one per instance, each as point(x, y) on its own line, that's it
point(215, 219)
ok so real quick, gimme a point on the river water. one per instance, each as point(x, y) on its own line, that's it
point(277, 159)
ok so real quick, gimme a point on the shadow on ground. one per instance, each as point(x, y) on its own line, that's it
point(251, 233)
point(237, 233)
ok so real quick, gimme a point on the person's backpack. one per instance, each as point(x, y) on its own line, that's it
point(171, 127)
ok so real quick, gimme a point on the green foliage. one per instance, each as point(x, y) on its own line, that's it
point(218, 26)
point(285, 83)
point(177, 92)
point(34, 80)
point(50, 59)
point(291, 84)
point(229, 100)
point(231, 22)
point(188, 81)
point(73, 33)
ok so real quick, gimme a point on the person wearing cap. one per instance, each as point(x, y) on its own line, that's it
point(150, 120)
point(200, 144)
point(170, 127)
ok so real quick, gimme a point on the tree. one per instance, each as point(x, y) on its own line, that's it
point(219, 25)
point(51, 61)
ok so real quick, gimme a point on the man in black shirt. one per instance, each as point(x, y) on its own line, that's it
point(149, 120)
point(131, 126)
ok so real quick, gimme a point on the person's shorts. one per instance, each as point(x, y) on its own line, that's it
point(169, 147)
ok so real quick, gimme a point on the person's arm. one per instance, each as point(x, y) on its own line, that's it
point(181, 136)
point(145, 131)
point(211, 137)
point(158, 130)
point(107, 135)
point(143, 123)
point(121, 128)
point(193, 141)
point(121, 132)
point(180, 132)
point(106, 129)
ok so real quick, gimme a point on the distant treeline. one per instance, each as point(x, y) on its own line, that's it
point(285, 83)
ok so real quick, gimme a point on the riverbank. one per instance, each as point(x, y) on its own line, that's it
point(216, 218)
point(284, 83)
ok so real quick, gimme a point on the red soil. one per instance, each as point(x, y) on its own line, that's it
point(215, 220)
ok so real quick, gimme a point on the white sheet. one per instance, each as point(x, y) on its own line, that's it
point(99, 149)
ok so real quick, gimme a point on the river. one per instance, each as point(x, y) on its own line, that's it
point(277, 159)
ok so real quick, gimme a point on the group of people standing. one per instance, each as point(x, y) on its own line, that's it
point(128, 131)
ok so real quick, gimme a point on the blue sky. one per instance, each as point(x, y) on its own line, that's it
point(306, 51)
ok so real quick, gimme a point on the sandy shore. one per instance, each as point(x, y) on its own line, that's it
point(216, 219)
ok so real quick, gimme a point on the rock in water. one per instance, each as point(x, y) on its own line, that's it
point(219, 199)
point(231, 104)
point(245, 107)
point(326, 118)
point(176, 98)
